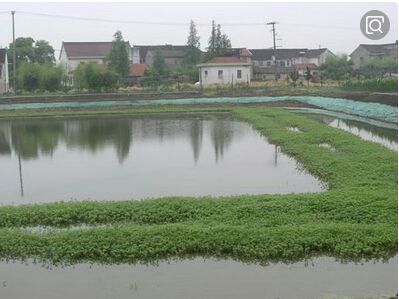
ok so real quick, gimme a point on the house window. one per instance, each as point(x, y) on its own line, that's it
point(206, 74)
point(239, 74)
point(361, 60)
point(269, 63)
point(282, 63)
point(220, 74)
point(261, 62)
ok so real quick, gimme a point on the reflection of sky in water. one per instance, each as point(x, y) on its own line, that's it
point(201, 278)
point(384, 136)
point(112, 158)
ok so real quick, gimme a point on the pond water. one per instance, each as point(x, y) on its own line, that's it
point(116, 158)
point(382, 135)
point(201, 278)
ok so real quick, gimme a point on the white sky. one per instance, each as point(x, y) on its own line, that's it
point(332, 25)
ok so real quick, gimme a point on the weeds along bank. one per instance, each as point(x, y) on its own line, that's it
point(355, 218)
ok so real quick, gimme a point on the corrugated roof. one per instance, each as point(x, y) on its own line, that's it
point(88, 49)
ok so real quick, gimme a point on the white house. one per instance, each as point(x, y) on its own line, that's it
point(4, 77)
point(225, 70)
point(74, 53)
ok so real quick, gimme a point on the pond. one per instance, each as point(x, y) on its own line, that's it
point(387, 136)
point(201, 278)
point(117, 158)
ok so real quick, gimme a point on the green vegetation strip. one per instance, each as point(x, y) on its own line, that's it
point(356, 217)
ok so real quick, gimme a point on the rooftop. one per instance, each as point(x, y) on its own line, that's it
point(137, 70)
point(88, 49)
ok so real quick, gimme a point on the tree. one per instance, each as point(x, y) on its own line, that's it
point(43, 52)
point(94, 77)
point(28, 76)
point(34, 76)
point(27, 50)
point(377, 67)
point(159, 65)
point(118, 56)
point(212, 42)
point(336, 67)
point(308, 75)
point(24, 51)
point(218, 43)
point(294, 76)
point(193, 54)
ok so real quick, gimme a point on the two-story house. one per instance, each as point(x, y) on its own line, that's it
point(269, 62)
point(364, 52)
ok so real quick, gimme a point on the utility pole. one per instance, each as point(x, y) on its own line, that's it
point(274, 46)
point(14, 56)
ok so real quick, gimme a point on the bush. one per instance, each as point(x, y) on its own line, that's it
point(95, 77)
point(42, 77)
point(372, 84)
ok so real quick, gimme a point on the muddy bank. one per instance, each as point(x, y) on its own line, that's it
point(383, 98)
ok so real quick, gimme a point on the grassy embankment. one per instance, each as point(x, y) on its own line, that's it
point(355, 218)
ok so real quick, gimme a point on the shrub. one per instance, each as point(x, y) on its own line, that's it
point(42, 77)
point(95, 77)
point(372, 84)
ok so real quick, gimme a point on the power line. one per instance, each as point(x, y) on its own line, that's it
point(172, 23)
point(132, 22)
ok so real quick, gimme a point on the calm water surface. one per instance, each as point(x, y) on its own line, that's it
point(385, 136)
point(115, 158)
point(201, 278)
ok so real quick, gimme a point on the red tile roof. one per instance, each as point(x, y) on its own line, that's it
point(230, 59)
point(88, 49)
point(137, 70)
point(303, 66)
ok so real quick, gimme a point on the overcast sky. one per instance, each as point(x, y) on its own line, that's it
point(309, 25)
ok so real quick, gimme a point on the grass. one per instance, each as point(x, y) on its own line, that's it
point(356, 218)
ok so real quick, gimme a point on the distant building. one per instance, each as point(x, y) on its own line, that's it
point(136, 73)
point(225, 70)
point(364, 52)
point(4, 77)
point(173, 55)
point(74, 53)
point(267, 63)
point(302, 68)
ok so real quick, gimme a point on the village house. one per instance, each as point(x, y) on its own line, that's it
point(225, 70)
point(4, 77)
point(173, 55)
point(74, 53)
point(364, 52)
point(136, 73)
point(267, 62)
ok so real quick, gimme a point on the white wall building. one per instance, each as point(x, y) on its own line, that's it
point(74, 53)
point(4, 76)
point(225, 70)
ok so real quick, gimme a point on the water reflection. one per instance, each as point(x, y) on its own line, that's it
point(198, 278)
point(35, 138)
point(126, 157)
point(385, 136)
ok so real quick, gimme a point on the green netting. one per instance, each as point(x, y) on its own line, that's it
point(369, 110)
